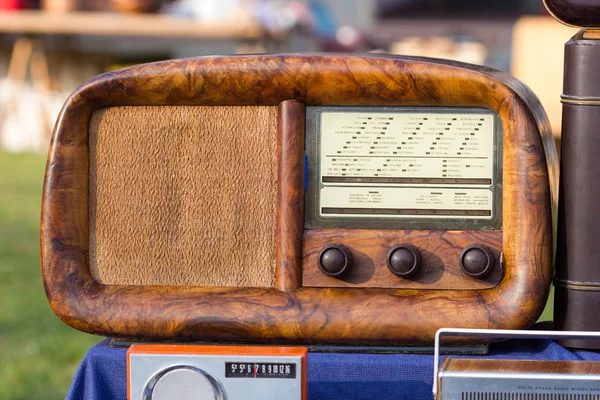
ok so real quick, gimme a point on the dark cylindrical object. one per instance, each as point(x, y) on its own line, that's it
point(577, 277)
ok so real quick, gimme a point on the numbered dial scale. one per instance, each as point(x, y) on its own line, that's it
point(173, 372)
point(402, 167)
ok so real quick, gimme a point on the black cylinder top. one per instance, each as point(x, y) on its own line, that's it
point(583, 13)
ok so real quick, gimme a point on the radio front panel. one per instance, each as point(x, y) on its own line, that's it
point(157, 372)
point(292, 197)
point(430, 177)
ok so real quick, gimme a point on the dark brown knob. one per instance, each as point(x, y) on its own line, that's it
point(335, 260)
point(404, 260)
point(477, 260)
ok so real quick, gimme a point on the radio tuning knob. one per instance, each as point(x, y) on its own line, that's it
point(477, 260)
point(335, 260)
point(180, 382)
point(404, 260)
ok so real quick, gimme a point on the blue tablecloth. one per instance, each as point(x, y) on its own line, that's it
point(102, 374)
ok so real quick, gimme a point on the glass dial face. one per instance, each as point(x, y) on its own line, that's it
point(406, 164)
point(260, 370)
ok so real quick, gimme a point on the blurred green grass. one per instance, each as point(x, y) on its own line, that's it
point(38, 352)
point(547, 315)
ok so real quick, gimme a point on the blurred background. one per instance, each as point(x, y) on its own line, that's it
point(49, 47)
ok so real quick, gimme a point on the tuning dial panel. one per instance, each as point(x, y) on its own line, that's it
point(404, 260)
point(335, 260)
point(185, 372)
point(477, 261)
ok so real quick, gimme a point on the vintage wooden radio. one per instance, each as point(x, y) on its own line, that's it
point(299, 198)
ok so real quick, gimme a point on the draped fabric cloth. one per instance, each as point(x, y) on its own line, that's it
point(102, 374)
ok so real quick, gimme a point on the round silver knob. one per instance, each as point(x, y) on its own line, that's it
point(183, 383)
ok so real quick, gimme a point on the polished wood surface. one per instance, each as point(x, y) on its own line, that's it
point(592, 34)
point(440, 252)
point(124, 24)
point(313, 314)
point(290, 195)
point(452, 364)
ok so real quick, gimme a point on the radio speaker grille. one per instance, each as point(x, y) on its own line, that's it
point(183, 196)
point(527, 396)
